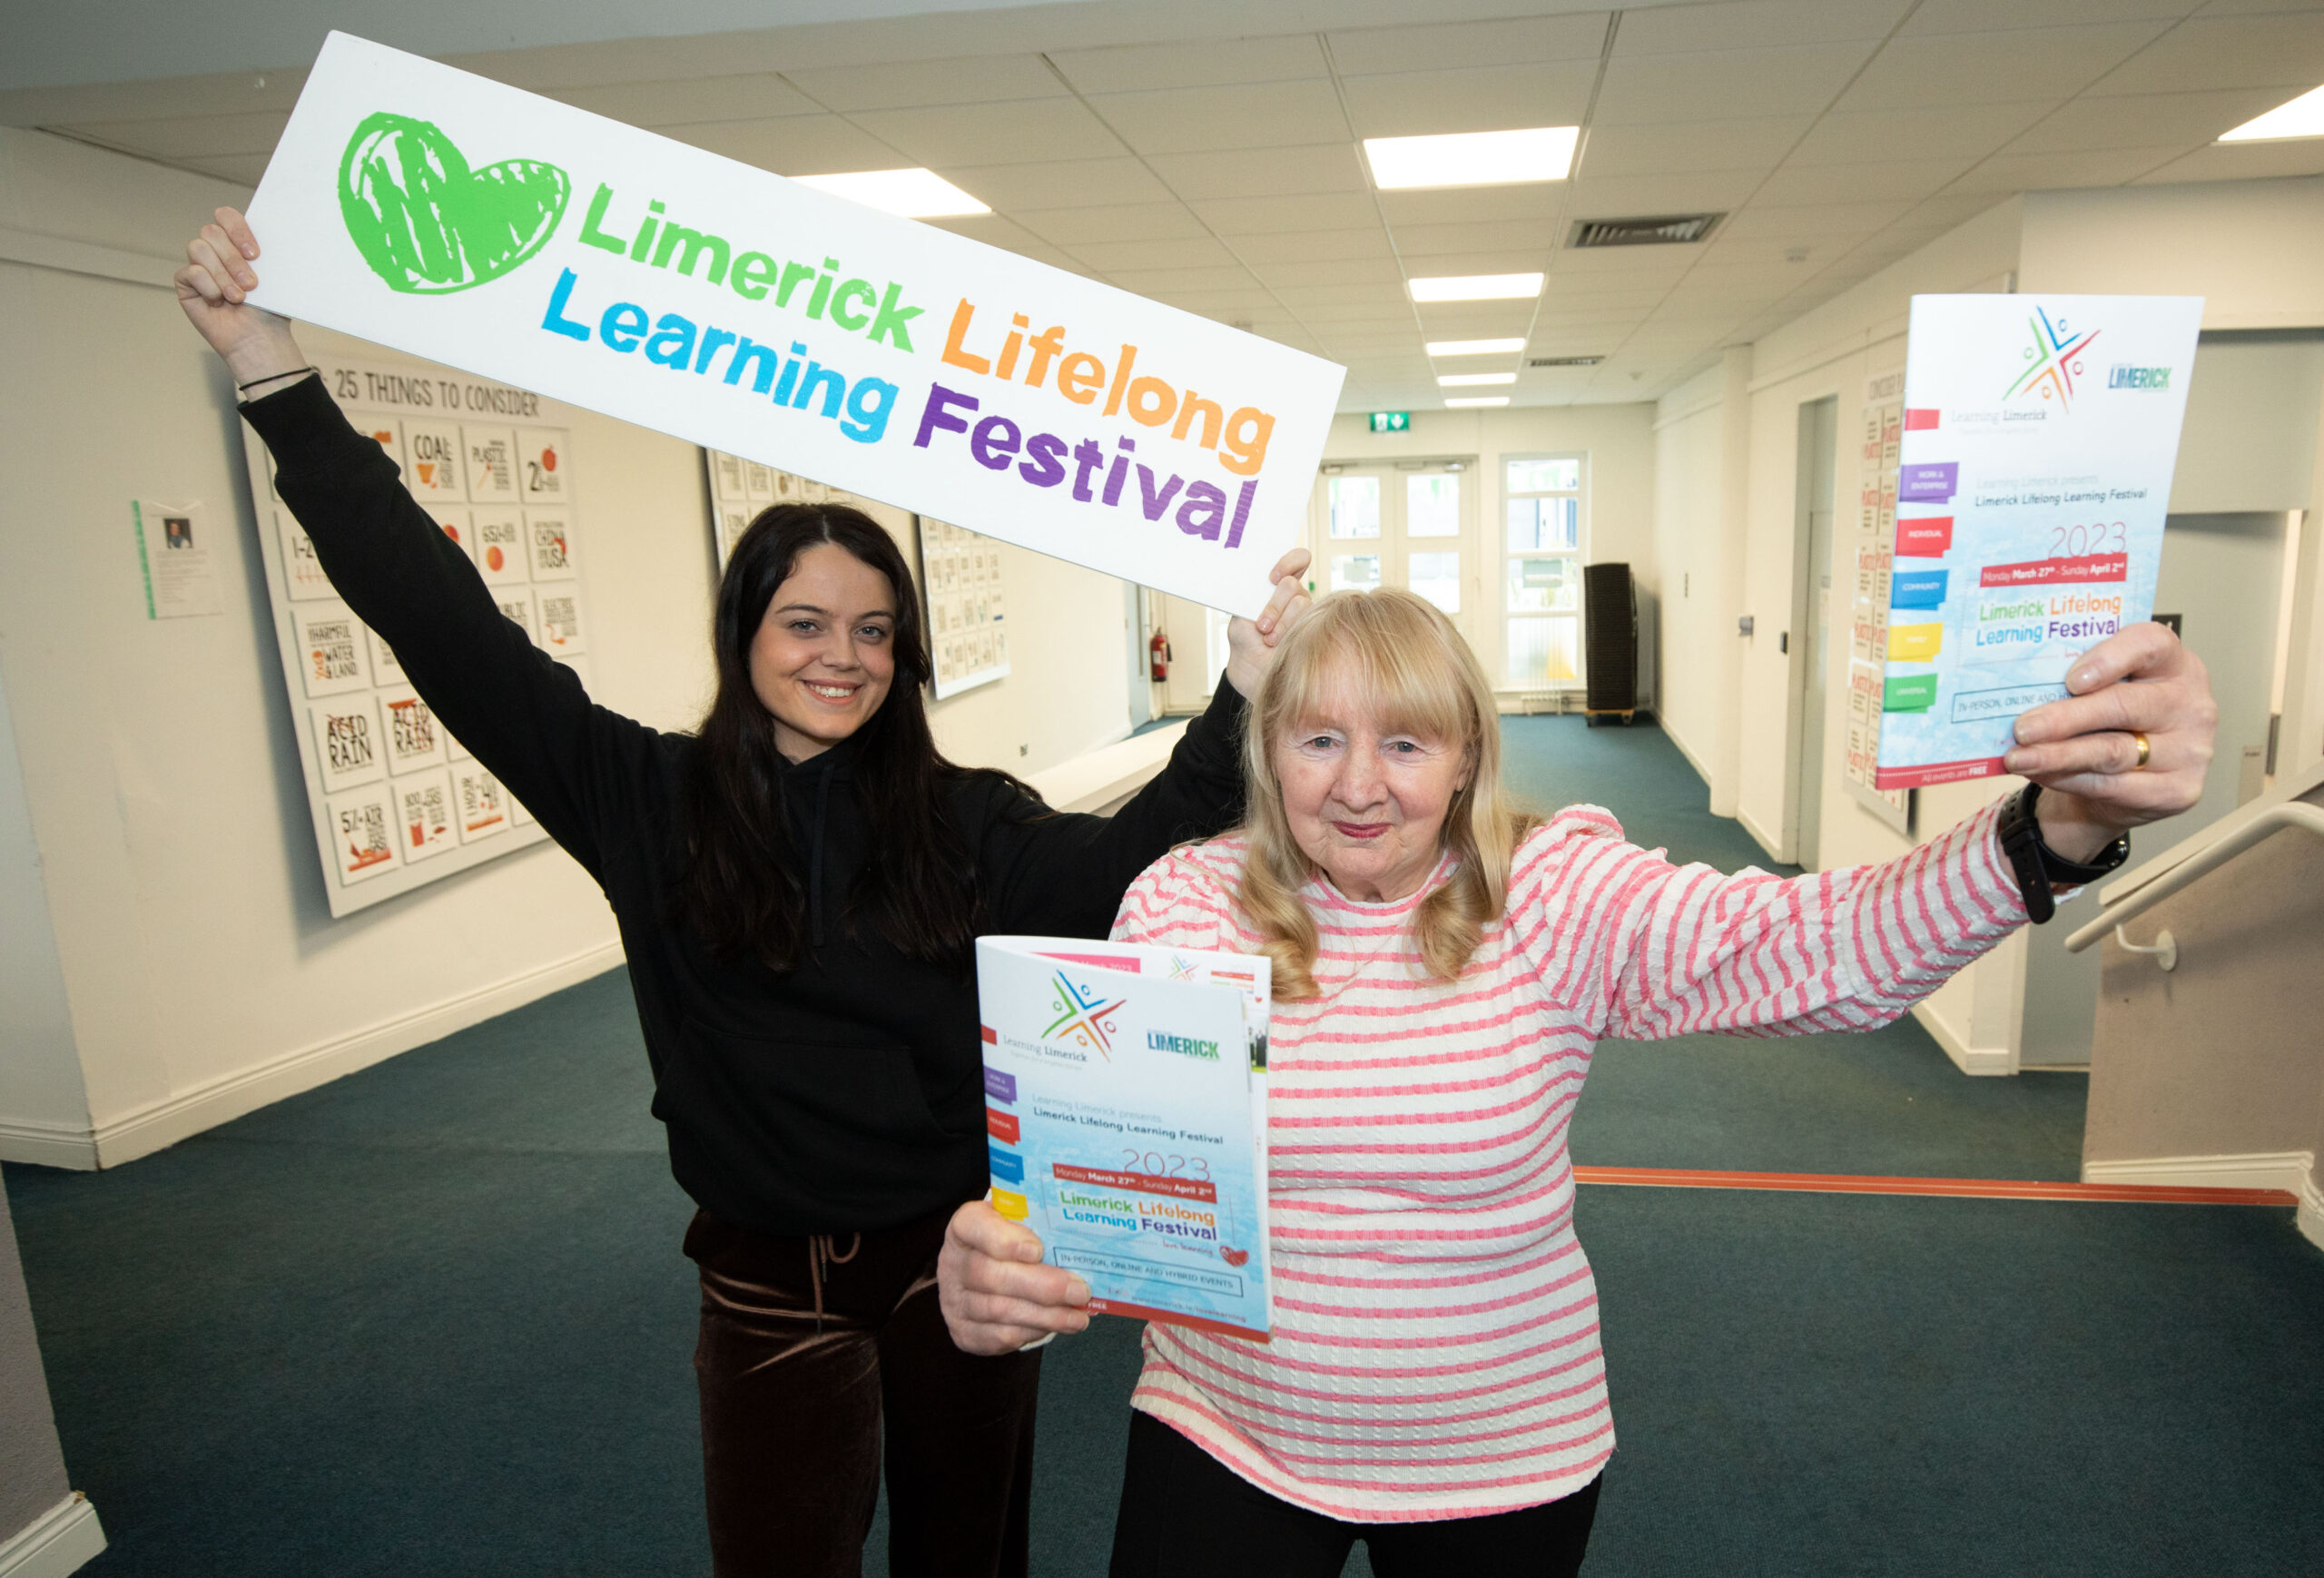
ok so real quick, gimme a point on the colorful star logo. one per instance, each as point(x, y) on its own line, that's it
point(1083, 1017)
point(2052, 361)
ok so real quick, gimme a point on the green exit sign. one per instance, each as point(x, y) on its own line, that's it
point(1391, 421)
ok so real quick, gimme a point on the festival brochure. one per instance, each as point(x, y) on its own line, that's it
point(1126, 1113)
point(2033, 478)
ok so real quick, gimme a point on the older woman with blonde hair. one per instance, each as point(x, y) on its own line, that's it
point(1443, 964)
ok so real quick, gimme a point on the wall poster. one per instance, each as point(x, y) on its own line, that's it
point(961, 591)
point(1871, 555)
point(740, 488)
point(396, 801)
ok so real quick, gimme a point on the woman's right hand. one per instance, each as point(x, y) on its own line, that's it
point(213, 288)
point(996, 1294)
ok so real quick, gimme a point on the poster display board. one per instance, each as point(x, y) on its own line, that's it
point(472, 223)
point(1871, 555)
point(396, 801)
point(1126, 1115)
point(741, 487)
point(2034, 473)
point(967, 608)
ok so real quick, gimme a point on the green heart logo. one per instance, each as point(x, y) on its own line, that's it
point(427, 223)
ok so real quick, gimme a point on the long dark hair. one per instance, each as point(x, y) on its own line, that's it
point(742, 890)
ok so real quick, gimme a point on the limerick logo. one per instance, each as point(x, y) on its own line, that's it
point(1086, 1018)
point(2052, 361)
point(427, 223)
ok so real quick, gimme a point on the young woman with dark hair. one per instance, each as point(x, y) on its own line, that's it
point(797, 884)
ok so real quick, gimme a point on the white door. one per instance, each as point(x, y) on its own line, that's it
point(1412, 527)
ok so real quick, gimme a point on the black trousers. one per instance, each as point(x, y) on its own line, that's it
point(1184, 1515)
point(808, 1346)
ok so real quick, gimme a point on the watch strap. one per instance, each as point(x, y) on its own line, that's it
point(2021, 845)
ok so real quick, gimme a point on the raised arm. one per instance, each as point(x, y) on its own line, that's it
point(523, 714)
point(1064, 874)
point(1688, 950)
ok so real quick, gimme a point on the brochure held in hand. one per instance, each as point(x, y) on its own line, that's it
point(1126, 1110)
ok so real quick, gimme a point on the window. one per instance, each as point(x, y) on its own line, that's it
point(1541, 578)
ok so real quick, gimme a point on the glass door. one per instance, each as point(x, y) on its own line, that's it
point(1409, 527)
point(1541, 572)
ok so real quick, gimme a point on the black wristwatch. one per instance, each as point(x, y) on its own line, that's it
point(2040, 869)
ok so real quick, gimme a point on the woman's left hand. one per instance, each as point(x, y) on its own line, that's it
point(2084, 751)
point(1251, 642)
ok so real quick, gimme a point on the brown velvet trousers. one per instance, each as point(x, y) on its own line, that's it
point(809, 1345)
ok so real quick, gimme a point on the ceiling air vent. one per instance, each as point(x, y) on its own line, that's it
point(1563, 360)
point(1667, 230)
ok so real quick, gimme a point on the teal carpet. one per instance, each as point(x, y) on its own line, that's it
point(432, 1319)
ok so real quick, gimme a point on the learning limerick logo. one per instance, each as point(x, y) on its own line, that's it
point(2052, 361)
point(1086, 1018)
point(427, 223)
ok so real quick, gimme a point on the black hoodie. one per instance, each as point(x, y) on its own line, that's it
point(845, 1094)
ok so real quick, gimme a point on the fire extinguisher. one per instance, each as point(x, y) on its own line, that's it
point(1157, 657)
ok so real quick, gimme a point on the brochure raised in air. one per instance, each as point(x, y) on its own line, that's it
point(1126, 1110)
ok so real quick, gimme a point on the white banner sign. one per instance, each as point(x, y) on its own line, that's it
point(484, 227)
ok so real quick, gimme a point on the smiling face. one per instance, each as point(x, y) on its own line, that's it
point(1367, 803)
point(824, 655)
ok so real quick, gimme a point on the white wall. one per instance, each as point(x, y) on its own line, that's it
point(1699, 656)
point(169, 891)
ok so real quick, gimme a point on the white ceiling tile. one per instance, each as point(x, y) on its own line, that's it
point(1997, 15)
point(1752, 25)
point(794, 144)
point(1689, 147)
point(1275, 215)
point(2009, 172)
point(1473, 99)
point(1204, 119)
point(1474, 320)
point(1126, 221)
point(1330, 272)
point(217, 93)
point(1619, 195)
point(2242, 162)
point(919, 83)
point(1008, 133)
point(1730, 84)
point(2145, 120)
point(1946, 210)
point(1263, 172)
point(1056, 182)
point(2227, 51)
point(1474, 204)
point(1372, 297)
point(1432, 46)
point(242, 169)
point(1811, 183)
point(1942, 132)
point(1130, 68)
point(1992, 68)
point(1294, 246)
point(1814, 219)
point(1158, 252)
point(749, 97)
point(1482, 236)
point(1160, 281)
point(1438, 265)
point(181, 138)
point(1773, 254)
point(1226, 306)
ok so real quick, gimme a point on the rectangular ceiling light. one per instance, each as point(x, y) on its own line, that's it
point(913, 194)
point(1475, 288)
point(1474, 347)
point(2303, 117)
point(1476, 401)
point(1457, 380)
point(1471, 158)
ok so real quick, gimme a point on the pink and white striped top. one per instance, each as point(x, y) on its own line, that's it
point(1435, 1350)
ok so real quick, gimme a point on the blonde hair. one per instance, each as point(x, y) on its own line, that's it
point(1399, 656)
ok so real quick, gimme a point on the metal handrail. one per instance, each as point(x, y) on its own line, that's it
point(2268, 824)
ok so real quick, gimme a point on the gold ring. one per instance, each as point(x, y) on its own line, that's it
point(2145, 751)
